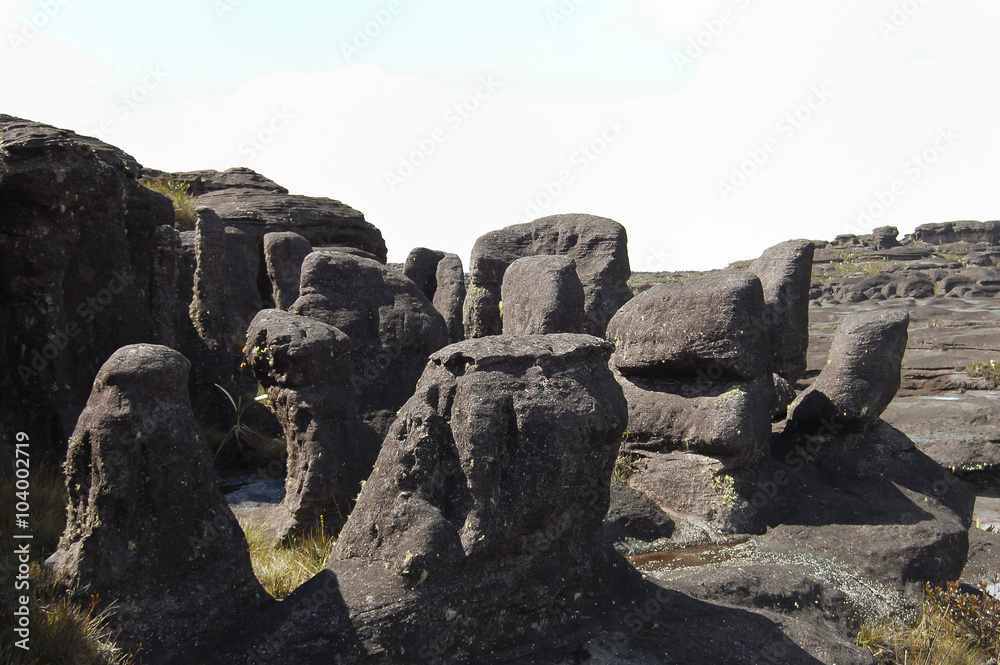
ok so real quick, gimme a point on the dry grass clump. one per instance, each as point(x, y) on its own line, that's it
point(989, 371)
point(177, 192)
point(956, 627)
point(281, 569)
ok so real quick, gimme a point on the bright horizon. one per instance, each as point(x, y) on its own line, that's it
point(709, 132)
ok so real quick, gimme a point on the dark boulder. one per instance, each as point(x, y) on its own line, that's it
point(148, 533)
point(284, 253)
point(167, 312)
point(305, 367)
point(861, 377)
point(711, 328)
point(392, 324)
point(727, 419)
point(542, 295)
point(785, 273)
point(421, 267)
point(884, 237)
point(598, 245)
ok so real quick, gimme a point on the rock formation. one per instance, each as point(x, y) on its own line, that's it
point(478, 537)
point(77, 237)
point(256, 205)
point(440, 277)
point(597, 244)
point(449, 297)
point(164, 304)
point(504, 438)
point(693, 361)
point(147, 530)
point(284, 253)
point(861, 376)
point(785, 272)
point(542, 295)
point(305, 367)
point(393, 326)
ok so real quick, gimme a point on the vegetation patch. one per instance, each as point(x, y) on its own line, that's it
point(281, 569)
point(957, 626)
point(989, 371)
point(177, 192)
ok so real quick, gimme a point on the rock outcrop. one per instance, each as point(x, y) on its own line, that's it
point(441, 278)
point(477, 538)
point(964, 231)
point(542, 295)
point(449, 297)
point(693, 360)
point(284, 252)
point(148, 532)
point(596, 244)
point(392, 324)
point(861, 377)
point(248, 201)
point(785, 272)
point(77, 238)
point(305, 367)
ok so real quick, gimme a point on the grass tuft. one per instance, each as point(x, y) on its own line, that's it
point(177, 191)
point(989, 371)
point(956, 627)
point(281, 569)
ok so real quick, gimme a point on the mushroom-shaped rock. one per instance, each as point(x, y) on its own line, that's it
point(148, 531)
point(693, 361)
point(392, 324)
point(861, 377)
point(542, 295)
point(305, 367)
point(494, 476)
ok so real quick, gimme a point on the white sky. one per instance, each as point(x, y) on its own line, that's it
point(875, 84)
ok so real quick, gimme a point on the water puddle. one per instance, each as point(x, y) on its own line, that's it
point(686, 557)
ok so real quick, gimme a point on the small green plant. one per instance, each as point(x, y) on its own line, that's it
point(626, 464)
point(241, 433)
point(177, 192)
point(282, 568)
point(849, 265)
point(957, 258)
point(988, 370)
